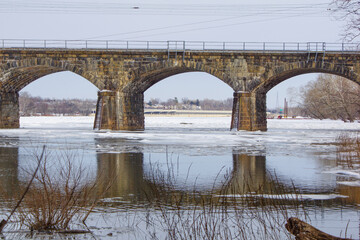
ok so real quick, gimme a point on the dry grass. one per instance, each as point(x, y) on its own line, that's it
point(348, 151)
point(61, 197)
point(220, 214)
point(239, 209)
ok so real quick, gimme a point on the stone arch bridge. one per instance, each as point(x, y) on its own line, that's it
point(123, 73)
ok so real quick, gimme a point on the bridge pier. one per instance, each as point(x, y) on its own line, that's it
point(119, 111)
point(9, 110)
point(248, 174)
point(249, 112)
point(9, 170)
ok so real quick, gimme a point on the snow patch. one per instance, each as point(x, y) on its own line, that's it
point(300, 197)
point(345, 173)
point(350, 183)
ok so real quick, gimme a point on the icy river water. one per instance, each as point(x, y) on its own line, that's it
point(202, 150)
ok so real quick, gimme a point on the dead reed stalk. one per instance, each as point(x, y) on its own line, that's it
point(348, 151)
point(39, 161)
point(223, 212)
point(62, 195)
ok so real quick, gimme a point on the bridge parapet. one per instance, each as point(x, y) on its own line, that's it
point(174, 46)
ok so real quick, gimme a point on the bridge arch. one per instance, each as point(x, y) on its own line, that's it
point(250, 107)
point(15, 75)
point(281, 73)
point(130, 97)
point(148, 75)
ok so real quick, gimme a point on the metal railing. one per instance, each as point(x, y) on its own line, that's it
point(179, 45)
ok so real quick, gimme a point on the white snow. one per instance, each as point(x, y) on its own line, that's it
point(312, 124)
point(350, 183)
point(210, 132)
point(352, 174)
point(344, 173)
point(57, 122)
point(287, 142)
point(301, 197)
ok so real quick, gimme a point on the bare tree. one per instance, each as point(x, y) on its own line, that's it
point(210, 104)
point(332, 97)
point(24, 103)
point(155, 101)
point(348, 10)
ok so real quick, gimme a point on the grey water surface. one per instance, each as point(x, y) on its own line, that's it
point(200, 153)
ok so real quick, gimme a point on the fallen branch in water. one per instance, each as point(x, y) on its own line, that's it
point(74, 231)
point(304, 231)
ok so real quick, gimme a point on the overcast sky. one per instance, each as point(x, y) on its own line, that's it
point(210, 20)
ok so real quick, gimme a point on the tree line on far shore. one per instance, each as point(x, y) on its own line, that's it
point(37, 106)
point(328, 96)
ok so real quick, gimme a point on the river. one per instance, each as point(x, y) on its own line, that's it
point(200, 152)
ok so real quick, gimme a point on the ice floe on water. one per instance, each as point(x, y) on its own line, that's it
point(352, 175)
point(201, 131)
point(300, 197)
point(350, 183)
point(209, 134)
point(344, 173)
point(300, 151)
point(289, 144)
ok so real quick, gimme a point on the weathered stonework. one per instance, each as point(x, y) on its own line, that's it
point(9, 110)
point(122, 76)
point(120, 111)
point(249, 112)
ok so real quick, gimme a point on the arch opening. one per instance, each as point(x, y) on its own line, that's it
point(62, 93)
point(286, 91)
point(187, 96)
point(288, 71)
point(315, 95)
point(146, 77)
point(64, 84)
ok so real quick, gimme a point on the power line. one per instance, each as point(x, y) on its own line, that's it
point(88, 7)
point(221, 26)
point(235, 11)
point(162, 28)
point(277, 12)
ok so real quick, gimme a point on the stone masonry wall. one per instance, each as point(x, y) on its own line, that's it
point(9, 110)
point(120, 111)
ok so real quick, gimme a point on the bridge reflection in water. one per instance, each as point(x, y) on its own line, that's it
point(9, 183)
point(132, 179)
point(125, 171)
